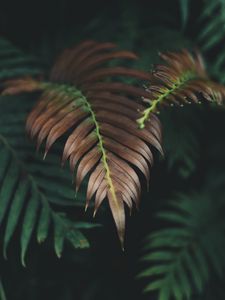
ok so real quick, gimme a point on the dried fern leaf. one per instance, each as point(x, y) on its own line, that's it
point(182, 80)
point(100, 115)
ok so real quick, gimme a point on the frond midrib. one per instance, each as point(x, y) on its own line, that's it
point(182, 81)
point(73, 91)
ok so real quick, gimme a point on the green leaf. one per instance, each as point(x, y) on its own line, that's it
point(29, 224)
point(44, 222)
point(8, 183)
point(184, 8)
point(155, 285)
point(211, 37)
point(194, 271)
point(14, 212)
point(59, 236)
point(77, 239)
point(159, 255)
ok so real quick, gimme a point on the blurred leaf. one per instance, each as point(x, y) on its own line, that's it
point(211, 37)
point(184, 8)
point(185, 255)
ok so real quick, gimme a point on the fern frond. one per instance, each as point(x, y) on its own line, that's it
point(20, 195)
point(183, 256)
point(182, 80)
point(26, 187)
point(104, 139)
point(14, 63)
point(211, 37)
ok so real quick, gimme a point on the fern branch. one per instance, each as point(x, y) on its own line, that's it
point(183, 256)
point(183, 80)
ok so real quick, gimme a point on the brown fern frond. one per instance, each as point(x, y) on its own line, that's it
point(21, 85)
point(183, 79)
point(100, 116)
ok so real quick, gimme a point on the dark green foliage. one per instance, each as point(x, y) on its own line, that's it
point(14, 63)
point(182, 129)
point(212, 35)
point(184, 255)
point(184, 9)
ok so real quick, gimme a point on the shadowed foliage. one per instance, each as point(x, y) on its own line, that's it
point(183, 256)
point(211, 36)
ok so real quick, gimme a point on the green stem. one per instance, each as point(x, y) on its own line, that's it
point(167, 91)
point(81, 100)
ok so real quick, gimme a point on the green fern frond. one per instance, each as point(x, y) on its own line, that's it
point(27, 186)
point(15, 63)
point(20, 195)
point(212, 35)
point(183, 256)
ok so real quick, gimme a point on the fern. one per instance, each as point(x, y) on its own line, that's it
point(14, 63)
point(105, 139)
point(26, 187)
point(182, 81)
point(211, 37)
point(184, 255)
